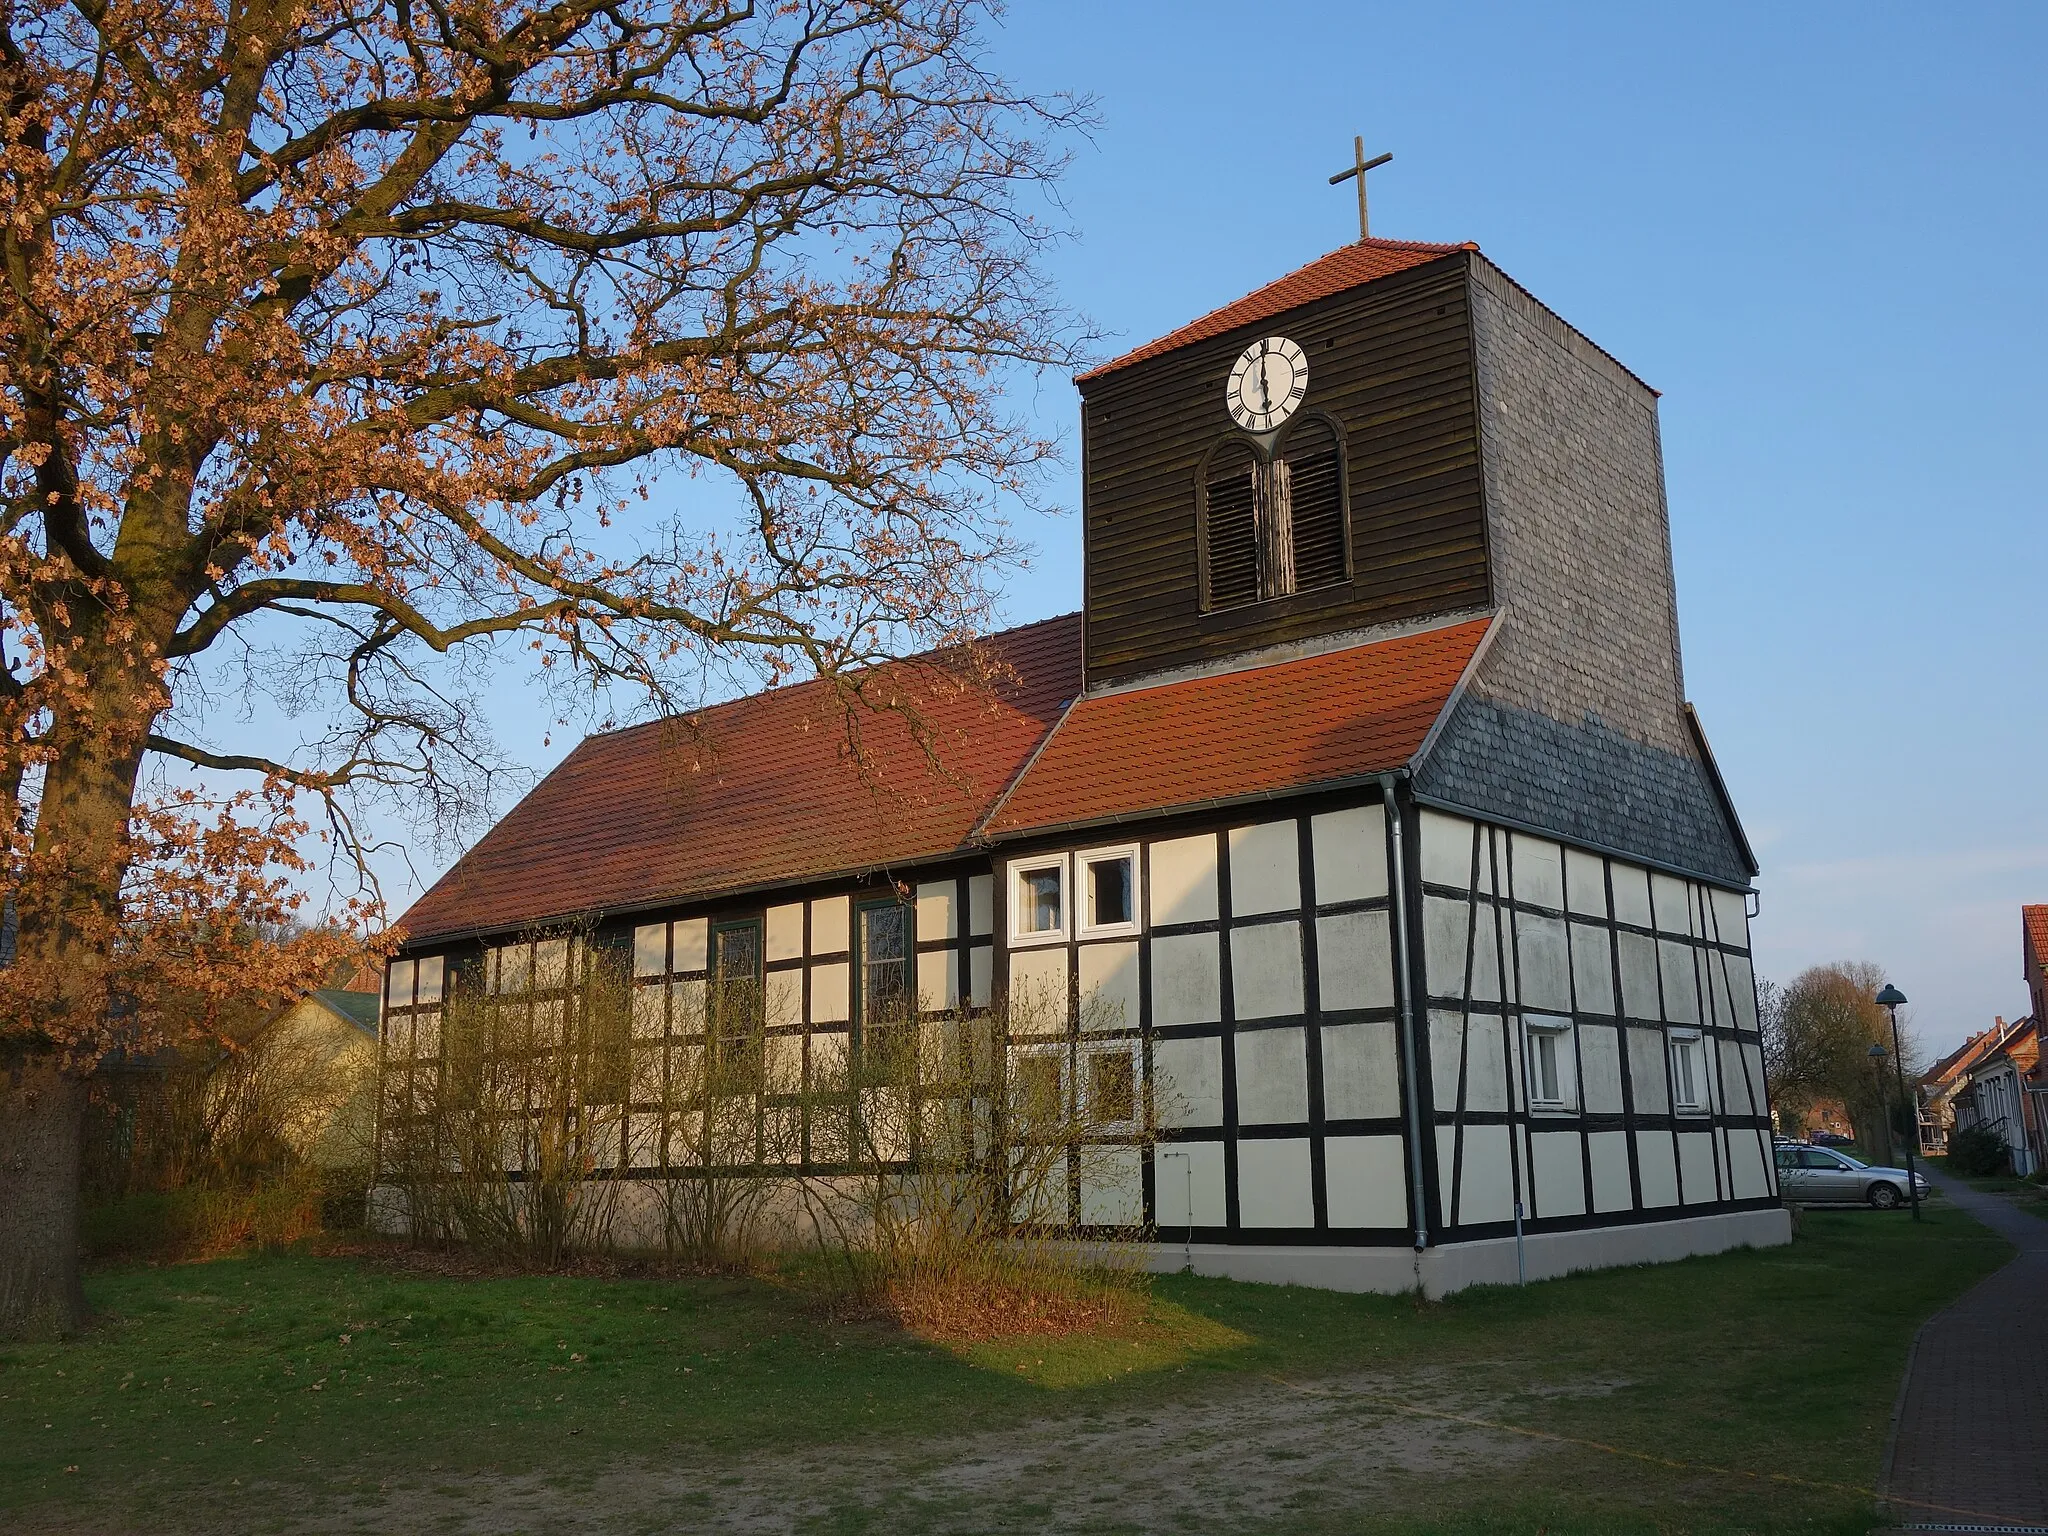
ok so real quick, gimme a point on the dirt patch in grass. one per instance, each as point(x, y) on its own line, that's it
point(1259, 1454)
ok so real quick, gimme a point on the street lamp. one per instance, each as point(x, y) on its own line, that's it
point(1889, 1000)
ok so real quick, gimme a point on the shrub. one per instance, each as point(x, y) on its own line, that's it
point(1978, 1153)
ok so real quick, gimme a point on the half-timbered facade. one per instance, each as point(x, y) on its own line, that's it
point(1352, 859)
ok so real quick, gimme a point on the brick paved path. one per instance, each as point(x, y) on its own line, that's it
point(1972, 1436)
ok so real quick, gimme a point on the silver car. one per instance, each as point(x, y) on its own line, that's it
point(1822, 1176)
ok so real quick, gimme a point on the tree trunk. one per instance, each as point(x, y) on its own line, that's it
point(42, 1127)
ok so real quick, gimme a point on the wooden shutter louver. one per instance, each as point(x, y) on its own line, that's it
point(1231, 526)
point(1316, 491)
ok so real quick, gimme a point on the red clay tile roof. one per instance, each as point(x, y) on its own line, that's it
point(1347, 267)
point(1237, 735)
point(762, 790)
point(2034, 924)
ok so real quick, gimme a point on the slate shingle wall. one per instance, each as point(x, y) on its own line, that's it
point(1574, 721)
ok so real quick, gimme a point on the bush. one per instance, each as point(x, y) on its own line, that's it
point(1978, 1153)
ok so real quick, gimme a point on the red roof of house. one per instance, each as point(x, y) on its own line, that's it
point(1243, 734)
point(1344, 268)
point(2034, 926)
point(761, 790)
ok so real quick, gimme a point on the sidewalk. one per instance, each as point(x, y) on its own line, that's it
point(1972, 1431)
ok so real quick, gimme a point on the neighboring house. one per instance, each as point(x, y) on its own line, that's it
point(1949, 1078)
point(1993, 1091)
point(329, 1039)
point(1359, 818)
point(2034, 951)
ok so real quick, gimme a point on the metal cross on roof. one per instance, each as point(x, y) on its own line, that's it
point(1359, 166)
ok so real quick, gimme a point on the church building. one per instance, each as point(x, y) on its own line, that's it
point(1353, 850)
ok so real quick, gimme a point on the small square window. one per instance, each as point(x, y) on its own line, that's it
point(1112, 1088)
point(1109, 891)
point(1037, 1089)
point(1551, 1084)
point(1038, 900)
point(1688, 1071)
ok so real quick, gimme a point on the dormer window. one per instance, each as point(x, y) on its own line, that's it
point(1274, 523)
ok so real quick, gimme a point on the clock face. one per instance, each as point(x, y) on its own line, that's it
point(1267, 384)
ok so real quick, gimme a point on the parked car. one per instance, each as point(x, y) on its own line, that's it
point(1822, 1176)
point(1832, 1139)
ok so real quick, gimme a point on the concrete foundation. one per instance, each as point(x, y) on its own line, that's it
point(1440, 1271)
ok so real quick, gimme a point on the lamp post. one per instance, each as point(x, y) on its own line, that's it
point(1889, 1000)
point(1877, 1054)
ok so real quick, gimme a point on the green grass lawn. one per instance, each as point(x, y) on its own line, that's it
point(299, 1393)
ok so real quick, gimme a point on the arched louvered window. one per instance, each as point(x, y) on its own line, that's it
point(1315, 493)
point(1230, 525)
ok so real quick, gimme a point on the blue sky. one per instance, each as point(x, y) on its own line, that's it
point(1815, 229)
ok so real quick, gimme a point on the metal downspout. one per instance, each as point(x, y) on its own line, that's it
point(1410, 1085)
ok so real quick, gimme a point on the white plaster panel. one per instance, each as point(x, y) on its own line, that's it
point(1446, 1042)
point(1112, 1186)
point(1631, 893)
point(1681, 981)
point(689, 943)
point(1446, 850)
point(1181, 883)
point(1759, 1089)
point(1742, 992)
point(686, 1005)
point(1354, 961)
point(1445, 934)
point(650, 949)
point(1273, 1187)
point(1538, 871)
point(829, 995)
point(1638, 975)
point(1486, 1063)
point(1585, 883)
point(829, 1050)
point(1609, 1152)
point(936, 914)
point(830, 919)
point(1715, 975)
point(428, 988)
point(1489, 948)
point(1038, 990)
point(938, 979)
point(1361, 1072)
point(1366, 1181)
point(1265, 868)
point(1659, 1168)
point(1735, 1099)
point(1670, 899)
point(1446, 1182)
point(1592, 968)
point(981, 964)
point(1187, 1081)
point(1746, 1165)
point(1173, 1180)
point(782, 1063)
point(1647, 1073)
point(1559, 1178)
point(981, 905)
point(1109, 986)
point(1546, 980)
point(1265, 970)
point(1187, 979)
point(1696, 1167)
point(1486, 1177)
point(1731, 917)
point(1350, 849)
point(784, 939)
point(398, 983)
point(1272, 1077)
point(783, 997)
point(650, 1012)
point(1599, 1069)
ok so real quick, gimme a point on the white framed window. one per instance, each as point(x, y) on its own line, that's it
point(1038, 900)
point(1110, 1086)
point(1688, 1072)
point(1108, 891)
point(1553, 1084)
